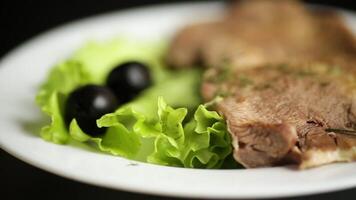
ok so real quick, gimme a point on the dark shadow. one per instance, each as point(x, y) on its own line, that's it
point(292, 167)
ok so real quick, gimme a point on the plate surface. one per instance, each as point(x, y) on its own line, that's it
point(22, 70)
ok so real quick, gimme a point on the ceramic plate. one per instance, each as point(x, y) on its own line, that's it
point(22, 70)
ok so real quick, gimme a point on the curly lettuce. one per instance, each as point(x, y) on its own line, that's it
point(90, 64)
point(201, 143)
point(62, 79)
point(156, 127)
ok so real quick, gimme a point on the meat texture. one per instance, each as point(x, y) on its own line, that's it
point(286, 76)
point(288, 113)
point(265, 31)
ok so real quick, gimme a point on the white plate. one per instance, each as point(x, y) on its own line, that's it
point(24, 68)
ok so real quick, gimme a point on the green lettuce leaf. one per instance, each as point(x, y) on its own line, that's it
point(163, 133)
point(62, 79)
point(56, 131)
point(99, 58)
point(117, 140)
point(203, 142)
point(140, 115)
point(90, 64)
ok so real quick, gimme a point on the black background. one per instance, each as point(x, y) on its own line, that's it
point(21, 20)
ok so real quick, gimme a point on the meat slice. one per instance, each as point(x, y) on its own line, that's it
point(287, 75)
point(287, 113)
point(265, 31)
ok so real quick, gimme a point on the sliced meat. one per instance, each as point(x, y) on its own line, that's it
point(261, 31)
point(186, 49)
point(288, 113)
point(287, 77)
point(263, 144)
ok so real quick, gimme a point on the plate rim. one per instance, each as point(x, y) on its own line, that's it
point(48, 168)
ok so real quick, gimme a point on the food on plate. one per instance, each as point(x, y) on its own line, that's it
point(265, 32)
point(88, 103)
point(128, 80)
point(283, 114)
point(270, 83)
point(286, 77)
point(163, 121)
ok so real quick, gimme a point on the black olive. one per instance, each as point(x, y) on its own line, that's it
point(87, 104)
point(128, 80)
